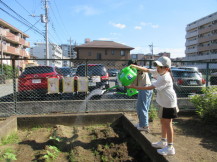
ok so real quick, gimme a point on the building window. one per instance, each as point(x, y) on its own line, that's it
point(106, 51)
point(122, 53)
point(113, 52)
point(89, 53)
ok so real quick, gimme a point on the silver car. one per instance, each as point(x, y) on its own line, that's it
point(187, 81)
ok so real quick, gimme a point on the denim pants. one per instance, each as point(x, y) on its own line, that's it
point(142, 107)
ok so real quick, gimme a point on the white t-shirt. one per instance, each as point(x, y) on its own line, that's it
point(166, 96)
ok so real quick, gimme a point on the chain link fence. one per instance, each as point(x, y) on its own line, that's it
point(86, 85)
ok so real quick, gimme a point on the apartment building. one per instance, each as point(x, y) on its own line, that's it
point(201, 39)
point(13, 44)
point(55, 52)
point(68, 51)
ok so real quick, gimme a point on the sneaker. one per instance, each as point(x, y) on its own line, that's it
point(136, 125)
point(160, 144)
point(167, 151)
point(146, 129)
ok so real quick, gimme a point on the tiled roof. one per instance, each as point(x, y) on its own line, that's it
point(104, 44)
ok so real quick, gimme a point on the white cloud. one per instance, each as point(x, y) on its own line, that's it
point(138, 27)
point(86, 10)
point(175, 52)
point(149, 25)
point(118, 25)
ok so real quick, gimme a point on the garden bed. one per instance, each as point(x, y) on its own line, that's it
point(73, 143)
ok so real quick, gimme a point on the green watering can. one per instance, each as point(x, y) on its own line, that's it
point(126, 77)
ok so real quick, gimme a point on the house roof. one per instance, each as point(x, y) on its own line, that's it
point(104, 44)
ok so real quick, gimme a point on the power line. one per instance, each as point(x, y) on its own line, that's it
point(20, 19)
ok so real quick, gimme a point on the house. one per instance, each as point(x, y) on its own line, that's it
point(103, 50)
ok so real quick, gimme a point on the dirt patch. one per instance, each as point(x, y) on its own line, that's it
point(86, 143)
point(194, 141)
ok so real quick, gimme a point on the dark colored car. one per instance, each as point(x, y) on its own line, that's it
point(213, 79)
point(66, 71)
point(94, 70)
point(187, 81)
point(33, 80)
point(113, 72)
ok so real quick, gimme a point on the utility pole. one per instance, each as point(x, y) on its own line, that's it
point(152, 51)
point(46, 30)
point(70, 49)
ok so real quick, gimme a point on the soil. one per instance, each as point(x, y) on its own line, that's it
point(83, 143)
point(194, 141)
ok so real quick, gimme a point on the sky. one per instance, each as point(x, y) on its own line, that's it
point(135, 23)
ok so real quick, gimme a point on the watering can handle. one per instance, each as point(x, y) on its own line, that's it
point(134, 69)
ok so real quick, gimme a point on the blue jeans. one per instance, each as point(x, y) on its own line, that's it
point(143, 105)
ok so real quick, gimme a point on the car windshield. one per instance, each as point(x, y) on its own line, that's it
point(185, 74)
point(96, 70)
point(113, 70)
point(38, 70)
point(64, 71)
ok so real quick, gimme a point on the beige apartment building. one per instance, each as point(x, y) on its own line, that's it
point(201, 40)
point(13, 44)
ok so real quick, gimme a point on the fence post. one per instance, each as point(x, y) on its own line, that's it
point(207, 74)
point(14, 85)
point(86, 75)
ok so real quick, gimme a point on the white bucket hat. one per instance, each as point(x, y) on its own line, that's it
point(163, 61)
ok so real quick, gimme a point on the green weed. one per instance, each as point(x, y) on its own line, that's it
point(52, 153)
point(11, 139)
point(7, 155)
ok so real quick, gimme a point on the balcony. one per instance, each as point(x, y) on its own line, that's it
point(190, 35)
point(192, 42)
point(207, 48)
point(199, 58)
point(207, 29)
point(207, 38)
point(193, 50)
point(10, 37)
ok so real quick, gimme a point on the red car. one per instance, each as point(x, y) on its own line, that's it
point(33, 81)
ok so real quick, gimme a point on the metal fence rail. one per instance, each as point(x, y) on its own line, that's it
point(42, 89)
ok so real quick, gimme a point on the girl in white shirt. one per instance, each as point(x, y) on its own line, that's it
point(166, 98)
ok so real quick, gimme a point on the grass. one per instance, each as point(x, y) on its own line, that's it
point(11, 139)
point(7, 155)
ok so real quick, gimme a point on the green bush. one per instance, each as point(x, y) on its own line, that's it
point(8, 71)
point(206, 104)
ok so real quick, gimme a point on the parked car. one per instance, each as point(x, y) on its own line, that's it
point(213, 79)
point(187, 81)
point(33, 81)
point(192, 69)
point(113, 72)
point(91, 71)
point(66, 71)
